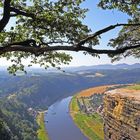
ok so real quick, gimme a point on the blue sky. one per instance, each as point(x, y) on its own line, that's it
point(96, 19)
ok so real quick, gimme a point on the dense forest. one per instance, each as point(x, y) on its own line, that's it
point(16, 123)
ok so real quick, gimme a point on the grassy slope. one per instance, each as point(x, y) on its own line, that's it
point(135, 87)
point(42, 134)
point(91, 126)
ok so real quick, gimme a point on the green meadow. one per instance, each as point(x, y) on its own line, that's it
point(90, 125)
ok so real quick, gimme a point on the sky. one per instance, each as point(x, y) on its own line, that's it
point(96, 19)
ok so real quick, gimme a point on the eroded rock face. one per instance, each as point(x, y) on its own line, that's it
point(122, 115)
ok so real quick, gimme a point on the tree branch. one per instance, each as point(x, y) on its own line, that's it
point(104, 30)
point(110, 52)
point(26, 43)
point(19, 12)
point(39, 51)
point(6, 15)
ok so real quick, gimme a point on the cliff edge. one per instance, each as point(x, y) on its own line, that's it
point(122, 114)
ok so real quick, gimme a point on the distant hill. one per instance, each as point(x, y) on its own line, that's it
point(41, 89)
point(80, 68)
point(105, 66)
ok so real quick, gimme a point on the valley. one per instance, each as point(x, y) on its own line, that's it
point(23, 96)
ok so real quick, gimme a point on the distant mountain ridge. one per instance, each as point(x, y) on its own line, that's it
point(82, 68)
point(104, 67)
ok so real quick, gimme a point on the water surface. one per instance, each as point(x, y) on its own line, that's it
point(59, 123)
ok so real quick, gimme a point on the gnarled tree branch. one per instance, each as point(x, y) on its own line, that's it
point(6, 15)
point(104, 30)
point(20, 12)
point(39, 51)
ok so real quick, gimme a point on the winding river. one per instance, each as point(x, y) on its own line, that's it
point(59, 123)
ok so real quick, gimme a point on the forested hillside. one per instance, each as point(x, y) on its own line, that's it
point(41, 89)
point(16, 123)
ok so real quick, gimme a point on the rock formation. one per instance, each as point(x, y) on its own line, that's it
point(122, 114)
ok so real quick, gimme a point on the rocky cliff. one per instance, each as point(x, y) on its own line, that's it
point(122, 114)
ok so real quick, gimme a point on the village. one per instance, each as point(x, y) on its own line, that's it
point(92, 104)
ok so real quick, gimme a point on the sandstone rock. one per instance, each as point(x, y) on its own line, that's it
point(122, 114)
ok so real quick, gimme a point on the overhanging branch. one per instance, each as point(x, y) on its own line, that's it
point(39, 51)
point(104, 30)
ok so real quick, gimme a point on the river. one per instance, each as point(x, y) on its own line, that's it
point(59, 123)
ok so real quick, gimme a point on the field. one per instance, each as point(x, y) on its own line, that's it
point(134, 87)
point(97, 90)
point(42, 134)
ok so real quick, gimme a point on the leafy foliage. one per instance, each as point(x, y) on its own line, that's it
point(128, 35)
point(41, 29)
point(128, 6)
point(5, 133)
point(46, 22)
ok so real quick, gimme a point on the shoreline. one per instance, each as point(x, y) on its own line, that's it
point(41, 132)
point(74, 121)
point(83, 124)
point(90, 126)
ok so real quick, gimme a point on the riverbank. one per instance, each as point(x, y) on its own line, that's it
point(86, 110)
point(41, 133)
point(90, 124)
